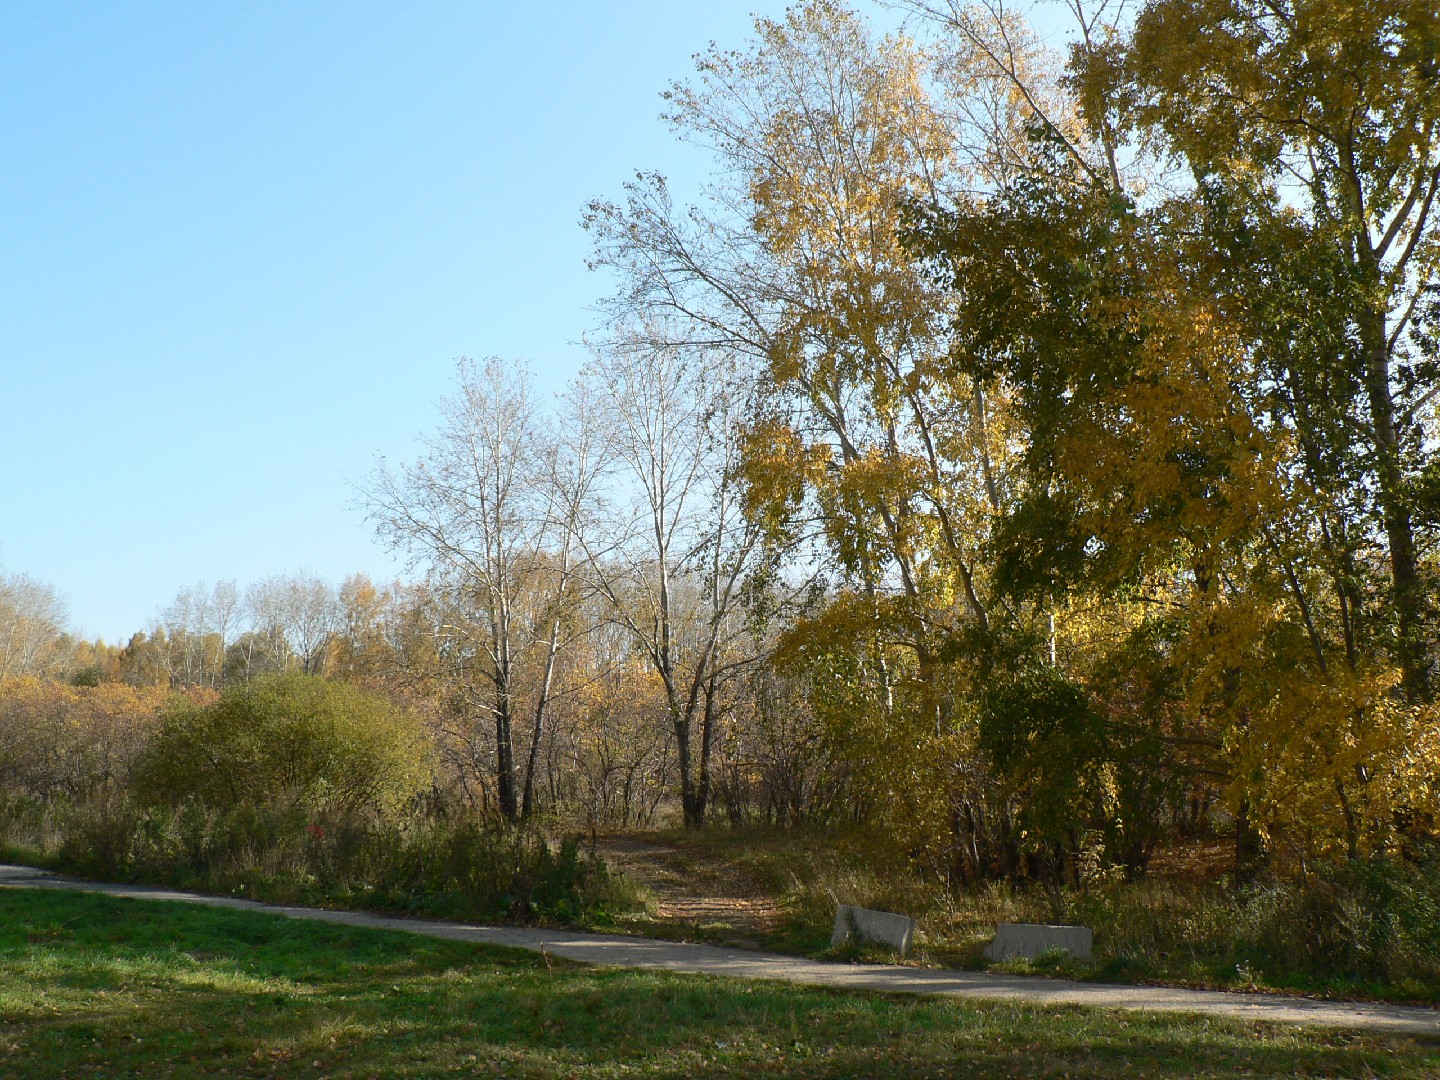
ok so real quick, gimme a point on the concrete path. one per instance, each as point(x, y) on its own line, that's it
point(617, 950)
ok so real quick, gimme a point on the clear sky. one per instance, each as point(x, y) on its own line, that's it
point(242, 246)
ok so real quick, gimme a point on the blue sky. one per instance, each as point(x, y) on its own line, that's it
point(242, 246)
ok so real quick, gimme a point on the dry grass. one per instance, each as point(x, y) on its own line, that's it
point(1371, 931)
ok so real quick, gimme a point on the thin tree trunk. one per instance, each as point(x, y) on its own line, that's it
point(505, 761)
point(1249, 854)
point(1405, 582)
point(504, 727)
point(709, 726)
point(537, 729)
point(693, 813)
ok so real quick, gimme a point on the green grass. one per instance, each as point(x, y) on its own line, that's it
point(95, 986)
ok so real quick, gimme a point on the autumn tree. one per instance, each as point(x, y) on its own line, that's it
point(32, 617)
point(867, 445)
point(670, 546)
point(611, 762)
point(1199, 377)
point(489, 510)
point(385, 638)
point(61, 741)
point(1313, 129)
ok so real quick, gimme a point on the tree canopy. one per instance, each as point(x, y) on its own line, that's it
point(1025, 455)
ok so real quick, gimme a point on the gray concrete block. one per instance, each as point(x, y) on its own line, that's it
point(1029, 940)
point(873, 928)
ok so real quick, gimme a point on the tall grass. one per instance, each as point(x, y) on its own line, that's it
point(457, 867)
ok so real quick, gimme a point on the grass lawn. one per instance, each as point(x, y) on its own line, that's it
point(92, 986)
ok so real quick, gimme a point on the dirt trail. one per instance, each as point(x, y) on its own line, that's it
point(690, 891)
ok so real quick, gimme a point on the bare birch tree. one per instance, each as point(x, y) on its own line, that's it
point(32, 617)
point(296, 617)
point(198, 624)
point(673, 546)
point(489, 510)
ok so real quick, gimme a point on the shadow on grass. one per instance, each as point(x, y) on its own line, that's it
point(96, 986)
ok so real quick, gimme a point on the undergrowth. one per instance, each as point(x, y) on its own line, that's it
point(1367, 929)
point(449, 867)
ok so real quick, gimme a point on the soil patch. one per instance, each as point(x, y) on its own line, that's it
point(695, 892)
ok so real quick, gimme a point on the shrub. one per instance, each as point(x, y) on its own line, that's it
point(59, 741)
point(288, 740)
point(464, 868)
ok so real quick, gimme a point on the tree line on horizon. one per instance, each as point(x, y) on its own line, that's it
point(1029, 458)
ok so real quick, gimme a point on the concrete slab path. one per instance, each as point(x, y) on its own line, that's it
point(618, 950)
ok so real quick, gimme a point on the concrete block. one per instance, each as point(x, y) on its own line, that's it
point(1029, 940)
point(873, 928)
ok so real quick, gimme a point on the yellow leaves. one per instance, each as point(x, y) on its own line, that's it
point(1175, 450)
point(832, 173)
point(1332, 762)
point(1325, 757)
point(776, 466)
point(836, 134)
point(873, 499)
point(845, 623)
point(57, 738)
point(880, 476)
point(875, 706)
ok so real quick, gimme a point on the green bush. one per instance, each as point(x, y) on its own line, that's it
point(1374, 918)
point(287, 740)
